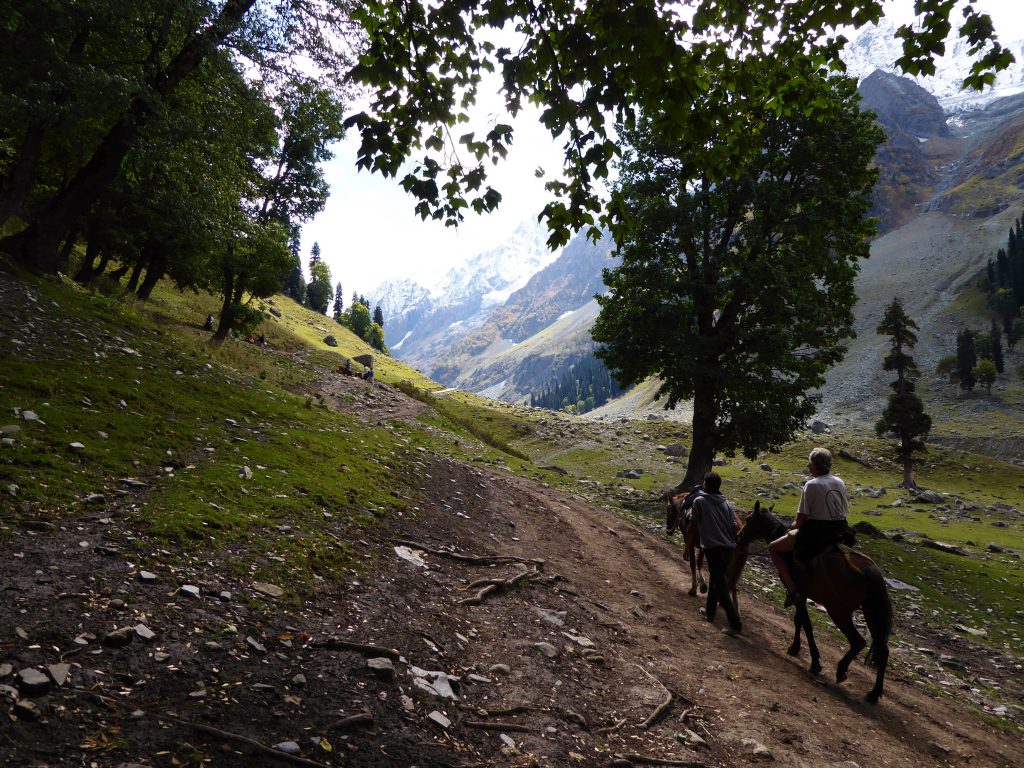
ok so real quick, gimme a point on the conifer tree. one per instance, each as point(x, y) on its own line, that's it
point(314, 256)
point(904, 417)
point(997, 346)
point(966, 359)
point(339, 303)
point(378, 316)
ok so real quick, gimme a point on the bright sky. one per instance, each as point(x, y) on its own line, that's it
point(369, 233)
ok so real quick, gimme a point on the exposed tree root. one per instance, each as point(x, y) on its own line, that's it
point(335, 643)
point(491, 725)
point(622, 761)
point(497, 585)
point(611, 728)
point(263, 749)
point(362, 718)
point(538, 564)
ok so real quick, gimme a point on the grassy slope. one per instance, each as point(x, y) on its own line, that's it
point(311, 465)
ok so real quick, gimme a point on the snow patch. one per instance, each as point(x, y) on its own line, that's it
point(399, 344)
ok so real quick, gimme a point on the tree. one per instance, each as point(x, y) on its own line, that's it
point(738, 292)
point(357, 320)
point(318, 292)
point(339, 303)
point(966, 359)
point(947, 369)
point(985, 373)
point(589, 64)
point(314, 256)
point(112, 69)
point(904, 416)
point(375, 337)
point(295, 282)
point(997, 346)
point(378, 316)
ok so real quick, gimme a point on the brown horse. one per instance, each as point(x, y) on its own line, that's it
point(841, 582)
point(678, 518)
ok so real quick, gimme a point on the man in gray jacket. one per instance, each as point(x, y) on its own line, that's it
point(717, 524)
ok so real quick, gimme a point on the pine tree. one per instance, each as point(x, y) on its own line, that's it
point(904, 416)
point(339, 303)
point(997, 346)
point(378, 316)
point(314, 256)
point(966, 359)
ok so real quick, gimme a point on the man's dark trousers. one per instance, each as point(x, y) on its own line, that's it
point(718, 592)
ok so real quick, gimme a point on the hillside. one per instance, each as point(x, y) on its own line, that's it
point(237, 556)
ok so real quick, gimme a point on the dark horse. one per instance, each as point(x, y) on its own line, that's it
point(678, 517)
point(841, 582)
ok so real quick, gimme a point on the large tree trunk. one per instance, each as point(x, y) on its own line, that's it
point(226, 315)
point(908, 475)
point(89, 270)
point(155, 268)
point(37, 244)
point(19, 182)
point(702, 449)
point(133, 281)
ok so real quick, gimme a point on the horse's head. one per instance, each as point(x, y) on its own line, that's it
point(672, 511)
point(761, 523)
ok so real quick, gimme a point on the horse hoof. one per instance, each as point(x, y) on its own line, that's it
point(816, 669)
point(692, 592)
point(872, 697)
point(793, 650)
point(841, 676)
point(703, 589)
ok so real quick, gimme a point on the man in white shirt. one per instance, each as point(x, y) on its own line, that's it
point(820, 520)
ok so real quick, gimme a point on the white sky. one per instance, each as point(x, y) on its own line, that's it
point(369, 233)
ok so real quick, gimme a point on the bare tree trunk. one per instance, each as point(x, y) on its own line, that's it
point(908, 475)
point(702, 449)
point(133, 281)
point(156, 266)
point(225, 322)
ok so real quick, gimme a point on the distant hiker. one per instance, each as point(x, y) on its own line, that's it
point(368, 375)
point(208, 325)
point(717, 524)
point(820, 520)
point(261, 340)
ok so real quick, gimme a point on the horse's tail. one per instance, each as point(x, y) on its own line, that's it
point(877, 613)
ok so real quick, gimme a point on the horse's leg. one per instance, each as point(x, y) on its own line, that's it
point(693, 575)
point(843, 619)
point(700, 572)
point(878, 615)
point(803, 619)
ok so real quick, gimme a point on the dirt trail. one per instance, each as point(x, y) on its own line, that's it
point(747, 687)
point(562, 670)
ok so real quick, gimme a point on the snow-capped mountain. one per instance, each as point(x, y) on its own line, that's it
point(466, 292)
point(877, 47)
point(495, 275)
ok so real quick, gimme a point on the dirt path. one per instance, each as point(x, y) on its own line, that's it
point(561, 669)
point(746, 688)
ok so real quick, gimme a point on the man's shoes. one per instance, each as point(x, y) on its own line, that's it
point(732, 632)
point(792, 598)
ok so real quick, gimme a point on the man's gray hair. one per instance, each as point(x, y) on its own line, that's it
point(821, 460)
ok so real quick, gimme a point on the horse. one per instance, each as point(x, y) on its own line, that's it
point(678, 518)
point(841, 582)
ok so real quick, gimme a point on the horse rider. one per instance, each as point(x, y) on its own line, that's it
point(820, 521)
point(717, 525)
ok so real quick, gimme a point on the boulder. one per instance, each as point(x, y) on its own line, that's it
point(330, 341)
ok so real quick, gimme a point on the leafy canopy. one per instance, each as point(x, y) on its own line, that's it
point(592, 64)
point(738, 291)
